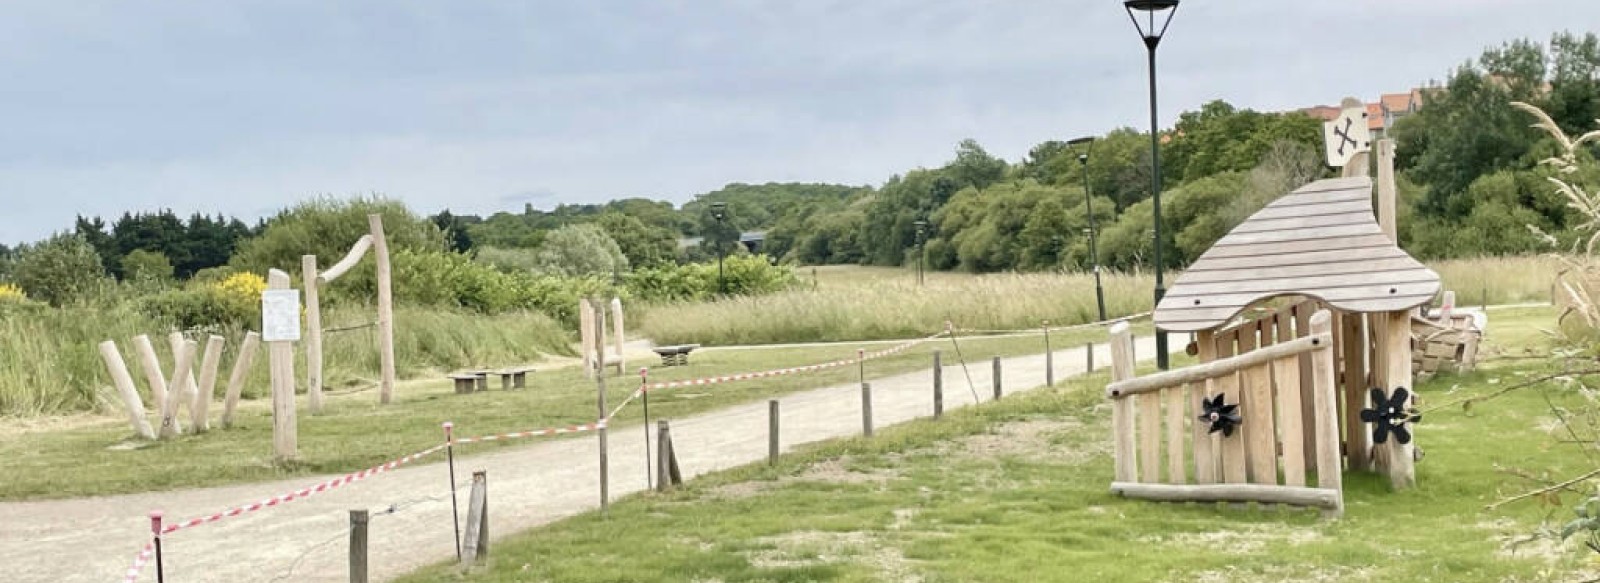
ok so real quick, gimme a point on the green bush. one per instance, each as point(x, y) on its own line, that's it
point(202, 307)
point(327, 227)
point(60, 270)
point(745, 275)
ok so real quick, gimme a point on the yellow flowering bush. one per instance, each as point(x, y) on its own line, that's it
point(12, 293)
point(234, 301)
point(244, 287)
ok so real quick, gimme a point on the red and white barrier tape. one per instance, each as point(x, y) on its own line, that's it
point(1128, 318)
point(139, 561)
point(533, 433)
point(786, 371)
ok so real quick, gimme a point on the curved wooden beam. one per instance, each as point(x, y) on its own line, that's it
point(350, 259)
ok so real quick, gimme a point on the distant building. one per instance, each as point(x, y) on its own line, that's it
point(1381, 114)
point(752, 241)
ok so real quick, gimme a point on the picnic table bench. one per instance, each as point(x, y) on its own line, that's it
point(677, 355)
point(478, 380)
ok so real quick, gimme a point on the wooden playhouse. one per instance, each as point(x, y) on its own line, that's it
point(1302, 322)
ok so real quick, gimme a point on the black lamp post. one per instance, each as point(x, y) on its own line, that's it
point(922, 231)
point(1088, 209)
point(1150, 9)
point(719, 211)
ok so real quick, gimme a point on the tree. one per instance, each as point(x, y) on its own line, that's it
point(974, 166)
point(580, 250)
point(60, 270)
point(142, 265)
point(643, 245)
point(455, 229)
point(327, 227)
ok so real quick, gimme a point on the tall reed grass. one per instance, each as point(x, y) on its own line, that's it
point(50, 363)
point(1502, 280)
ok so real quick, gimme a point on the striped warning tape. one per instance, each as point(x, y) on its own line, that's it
point(788, 371)
point(139, 561)
point(533, 433)
point(1128, 318)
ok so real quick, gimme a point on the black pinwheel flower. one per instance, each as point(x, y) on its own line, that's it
point(1390, 415)
point(1221, 417)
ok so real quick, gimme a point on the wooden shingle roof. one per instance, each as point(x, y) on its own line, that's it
point(1319, 241)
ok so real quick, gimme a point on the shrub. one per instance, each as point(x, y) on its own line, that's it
point(327, 228)
point(60, 270)
point(144, 265)
point(232, 302)
point(12, 294)
point(744, 274)
point(576, 250)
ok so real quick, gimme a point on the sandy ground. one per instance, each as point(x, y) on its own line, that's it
point(94, 539)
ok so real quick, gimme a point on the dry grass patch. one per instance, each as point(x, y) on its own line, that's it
point(810, 548)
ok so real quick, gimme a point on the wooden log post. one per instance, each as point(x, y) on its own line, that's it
point(938, 386)
point(183, 359)
point(200, 411)
point(182, 384)
point(380, 255)
point(153, 375)
point(1207, 446)
point(1326, 411)
point(1386, 189)
point(313, 335)
point(118, 369)
point(358, 546)
point(997, 389)
point(866, 409)
point(1353, 346)
point(1049, 358)
point(772, 431)
point(241, 369)
point(600, 403)
point(475, 543)
point(667, 472)
point(1397, 344)
point(617, 332)
point(1088, 356)
point(586, 336)
point(285, 428)
point(1122, 407)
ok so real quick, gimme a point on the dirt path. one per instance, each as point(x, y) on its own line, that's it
point(93, 539)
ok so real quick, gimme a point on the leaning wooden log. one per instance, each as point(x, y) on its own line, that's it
point(1268, 494)
point(124, 383)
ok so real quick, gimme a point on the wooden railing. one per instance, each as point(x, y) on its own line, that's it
point(1164, 451)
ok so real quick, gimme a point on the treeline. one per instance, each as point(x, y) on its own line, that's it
point(1470, 184)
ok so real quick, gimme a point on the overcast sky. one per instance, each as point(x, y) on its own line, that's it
point(246, 107)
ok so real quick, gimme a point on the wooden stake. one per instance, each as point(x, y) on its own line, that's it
point(1049, 359)
point(358, 546)
point(241, 369)
point(380, 252)
point(667, 473)
point(938, 386)
point(130, 394)
point(1088, 355)
point(772, 431)
point(200, 411)
point(151, 364)
point(475, 544)
point(1122, 407)
point(313, 335)
point(586, 336)
point(285, 430)
point(183, 359)
point(997, 390)
point(600, 402)
point(866, 409)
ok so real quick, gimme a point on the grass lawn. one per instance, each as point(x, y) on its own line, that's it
point(1017, 491)
point(96, 456)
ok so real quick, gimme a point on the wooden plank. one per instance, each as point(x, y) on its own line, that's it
point(1233, 450)
point(1206, 446)
point(1122, 408)
point(1179, 314)
point(1354, 349)
point(1397, 343)
point(1176, 460)
point(1259, 431)
point(1311, 497)
point(1149, 428)
point(1334, 206)
point(1286, 373)
point(1265, 225)
point(1302, 327)
point(1273, 237)
point(1296, 247)
point(1338, 266)
point(1215, 368)
point(1327, 413)
point(1374, 284)
point(1319, 256)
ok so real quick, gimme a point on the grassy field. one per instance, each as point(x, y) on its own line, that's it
point(842, 302)
point(91, 455)
point(1017, 491)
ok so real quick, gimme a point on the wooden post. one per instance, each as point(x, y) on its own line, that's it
point(358, 546)
point(938, 386)
point(241, 368)
point(617, 332)
point(285, 430)
point(1386, 189)
point(600, 403)
point(997, 390)
point(1232, 449)
point(183, 358)
point(182, 385)
point(475, 544)
point(1358, 442)
point(1308, 397)
point(866, 409)
point(200, 411)
point(1049, 358)
point(151, 365)
point(1397, 344)
point(1088, 355)
point(667, 473)
point(1326, 405)
point(124, 383)
point(313, 335)
point(1293, 431)
point(1122, 407)
point(772, 431)
point(586, 336)
point(1206, 445)
point(380, 255)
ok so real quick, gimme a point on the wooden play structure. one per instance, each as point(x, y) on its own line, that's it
point(592, 334)
point(376, 242)
point(1446, 339)
point(1302, 319)
point(170, 394)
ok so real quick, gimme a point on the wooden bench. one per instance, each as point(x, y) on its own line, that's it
point(465, 383)
point(675, 355)
point(513, 378)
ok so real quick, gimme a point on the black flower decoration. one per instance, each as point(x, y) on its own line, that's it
point(1222, 417)
point(1390, 415)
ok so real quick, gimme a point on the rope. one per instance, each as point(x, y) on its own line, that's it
point(963, 359)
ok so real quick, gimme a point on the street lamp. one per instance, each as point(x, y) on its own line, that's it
point(1088, 209)
point(922, 229)
point(1152, 37)
point(719, 211)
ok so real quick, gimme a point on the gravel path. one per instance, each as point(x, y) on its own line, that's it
point(94, 539)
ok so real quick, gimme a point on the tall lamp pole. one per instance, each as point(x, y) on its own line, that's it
point(922, 229)
point(1088, 209)
point(719, 211)
point(1150, 9)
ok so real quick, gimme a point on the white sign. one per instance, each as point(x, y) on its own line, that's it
point(280, 315)
point(1346, 136)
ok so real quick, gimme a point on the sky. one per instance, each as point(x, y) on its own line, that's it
point(246, 107)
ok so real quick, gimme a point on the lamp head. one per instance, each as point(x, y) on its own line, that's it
point(1150, 9)
point(719, 210)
